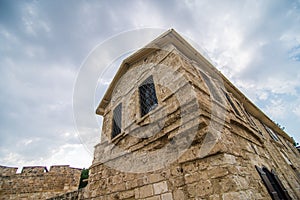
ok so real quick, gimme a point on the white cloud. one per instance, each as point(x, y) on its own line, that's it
point(296, 110)
point(33, 22)
point(74, 155)
point(69, 154)
point(277, 109)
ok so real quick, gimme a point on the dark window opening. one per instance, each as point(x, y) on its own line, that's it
point(273, 184)
point(117, 121)
point(232, 104)
point(84, 177)
point(212, 88)
point(271, 133)
point(148, 99)
point(250, 120)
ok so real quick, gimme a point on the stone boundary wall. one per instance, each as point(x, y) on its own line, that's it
point(7, 171)
point(36, 182)
point(75, 195)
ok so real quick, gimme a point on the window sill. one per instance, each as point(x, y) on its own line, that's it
point(276, 142)
point(119, 136)
point(249, 129)
point(145, 120)
point(243, 120)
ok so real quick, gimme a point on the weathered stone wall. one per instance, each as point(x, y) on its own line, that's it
point(8, 171)
point(77, 194)
point(37, 182)
point(226, 169)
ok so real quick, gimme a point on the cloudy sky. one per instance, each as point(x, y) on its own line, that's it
point(43, 44)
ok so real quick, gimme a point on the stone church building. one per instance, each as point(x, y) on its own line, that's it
point(175, 128)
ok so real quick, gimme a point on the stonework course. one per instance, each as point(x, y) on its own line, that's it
point(175, 128)
point(37, 183)
point(224, 154)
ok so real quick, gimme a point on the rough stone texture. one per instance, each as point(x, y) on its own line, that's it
point(37, 183)
point(218, 163)
point(8, 171)
point(224, 171)
point(77, 194)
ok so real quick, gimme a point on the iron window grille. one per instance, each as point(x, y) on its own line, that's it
point(117, 121)
point(148, 99)
point(232, 104)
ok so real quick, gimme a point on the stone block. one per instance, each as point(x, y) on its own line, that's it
point(131, 184)
point(179, 194)
point(176, 181)
point(234, 195)
point(160, 187)
point(214, 197)
point(126, 194)
point(153, 198)
point(118, 187)
point(166, 196)
point(116, 179)
point(217, 172)
point(145, 191)
point(191, 178)
point(155, 178)
point(204, 188)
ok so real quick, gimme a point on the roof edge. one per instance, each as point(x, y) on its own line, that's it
point(138, 55)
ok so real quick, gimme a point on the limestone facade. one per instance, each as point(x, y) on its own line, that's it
point(175, 128)
point(201, 139)
point(37, 183)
